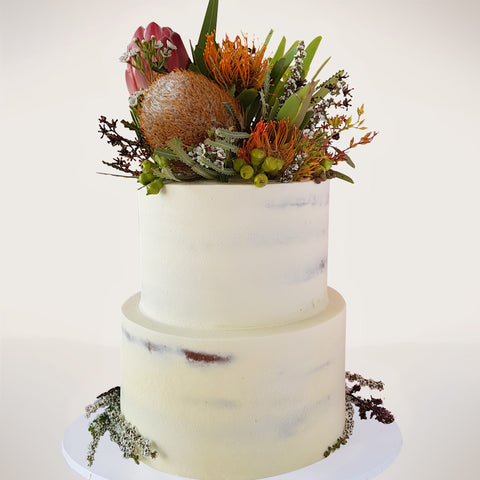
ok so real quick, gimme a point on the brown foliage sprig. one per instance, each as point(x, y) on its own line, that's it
point(372, 405)
point(131, 153)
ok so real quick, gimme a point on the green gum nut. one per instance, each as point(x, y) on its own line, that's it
point(326, 163)
point(161, 161)
point(260, 180)
point(257, 156)
point(238, 163)
point(269, 164)
point(146, 178)
point(154, 187)
point(147, 166)
point(246, 172)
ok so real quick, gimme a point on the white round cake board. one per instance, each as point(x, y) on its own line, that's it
point(370, 450)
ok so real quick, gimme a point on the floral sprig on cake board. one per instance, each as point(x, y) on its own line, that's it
point(234, 111)
point(111, 420)
point(133, 445)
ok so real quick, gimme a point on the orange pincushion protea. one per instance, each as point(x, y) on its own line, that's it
point(276, 139)
point(235, 64)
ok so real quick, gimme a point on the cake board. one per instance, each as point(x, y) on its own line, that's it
point(371, 448)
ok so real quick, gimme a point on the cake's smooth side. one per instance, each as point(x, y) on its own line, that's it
point(234, 256)
point(235, 405)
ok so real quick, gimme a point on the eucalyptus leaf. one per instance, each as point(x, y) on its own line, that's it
point(342, 176)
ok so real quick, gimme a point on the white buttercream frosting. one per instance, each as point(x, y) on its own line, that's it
point(224, 404)
point(234, 256)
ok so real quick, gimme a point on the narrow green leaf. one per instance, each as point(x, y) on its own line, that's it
point(222, 132)
point(176, 146)
point(168, 174)
point(267, 40)
point(290, 54)
point(274, 110)
point(306, 119)
point(165, 152)
point(310, 51)
point(231, 111)
point(280, 51)
point(342, 176)
point(209, 25)
point(348, 160)
point(222, 144)
point(321, 68)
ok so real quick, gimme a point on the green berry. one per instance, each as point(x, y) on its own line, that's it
point(146, 178)
point(154, 187)
point(260, 180)
point(269, 164)
point(238, 163)
point(161, 161)
point(257, 156)
point(147, 166)
point(247, 172)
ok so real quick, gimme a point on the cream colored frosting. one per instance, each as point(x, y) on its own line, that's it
point(236, 405)
point(234, 256)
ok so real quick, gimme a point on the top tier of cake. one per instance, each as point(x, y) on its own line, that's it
point(234, 256)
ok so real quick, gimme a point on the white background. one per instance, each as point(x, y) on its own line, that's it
point(404, 239)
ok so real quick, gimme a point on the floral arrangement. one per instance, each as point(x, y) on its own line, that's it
point(230, 112)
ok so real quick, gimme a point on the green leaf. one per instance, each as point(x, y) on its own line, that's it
point(290, 108)
point(321, 68)
point(209, 26)
point(222, 132)
point(247, 97)
point(348, 160)
point(231, 111)
point(267, 40)
point(274, 110)
point(290, 54)
point(280, 51)
point(222, 144)
point(342, 176)
point(306, 119)
point(176, 146)
point(310, 51)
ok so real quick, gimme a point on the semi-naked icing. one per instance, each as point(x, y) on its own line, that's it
point(233, 351)
point(234, 256)
point(230, 405)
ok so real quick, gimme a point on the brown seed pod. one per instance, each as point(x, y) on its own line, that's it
point(185, 105)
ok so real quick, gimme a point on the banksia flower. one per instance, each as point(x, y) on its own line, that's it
point(185, 105)
point(235, 64)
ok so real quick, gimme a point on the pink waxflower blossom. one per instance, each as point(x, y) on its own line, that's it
point(168, 51)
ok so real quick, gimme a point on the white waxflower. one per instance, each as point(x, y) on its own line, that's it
point(170, 45)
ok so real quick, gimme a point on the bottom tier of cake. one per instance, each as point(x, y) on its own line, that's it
point(235, 405)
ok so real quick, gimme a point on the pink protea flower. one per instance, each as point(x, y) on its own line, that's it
point(152, 50)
